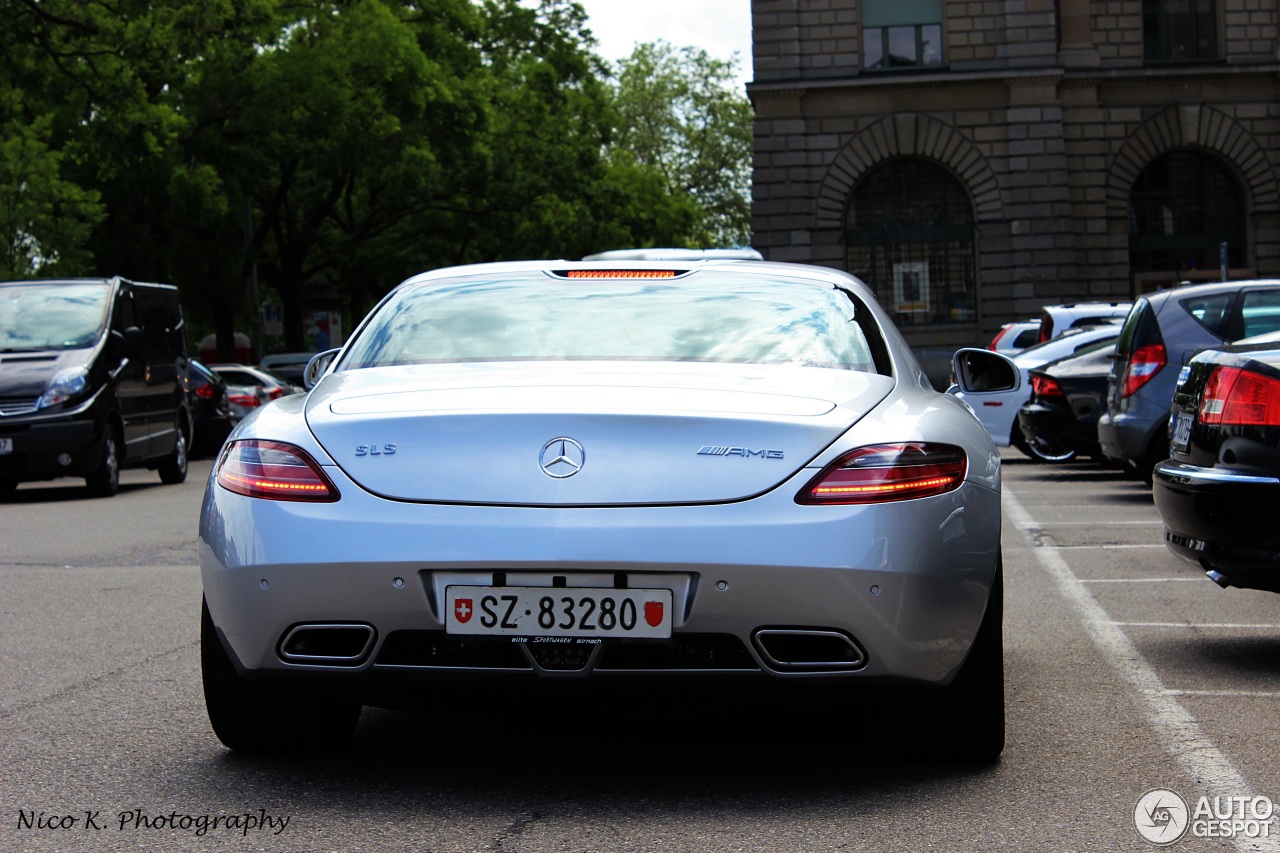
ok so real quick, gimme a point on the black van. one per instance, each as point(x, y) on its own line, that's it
point(91, 381)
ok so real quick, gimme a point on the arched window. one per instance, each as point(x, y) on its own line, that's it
point(909, 235)
point(1183, 207)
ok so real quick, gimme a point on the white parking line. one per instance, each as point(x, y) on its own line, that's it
point(1140, 580)
point(1261, 694)
point(1105, 523)
point(1106, 547)
point(1179, 731)
point(1206, 625)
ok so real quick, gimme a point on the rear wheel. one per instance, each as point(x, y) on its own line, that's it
point(104, 481)
point(1046, 453)
point(965, 721)
point(252, 715)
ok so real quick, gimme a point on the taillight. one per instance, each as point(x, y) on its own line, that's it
point(620, 274)
point(1240, 397)
point(205, 391)
point(1143, 364)
point(888, 472)
point(275, 471)
point(275, 392)
point(995, 342)
point(1045, 386)
point(249, 401)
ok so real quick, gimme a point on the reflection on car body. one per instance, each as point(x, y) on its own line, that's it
point(556, 509)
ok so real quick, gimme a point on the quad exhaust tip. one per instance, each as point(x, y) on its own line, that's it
point(808, 650)
point(327, 644)
point(1219, 578)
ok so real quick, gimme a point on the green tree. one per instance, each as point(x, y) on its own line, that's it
point(677, 114)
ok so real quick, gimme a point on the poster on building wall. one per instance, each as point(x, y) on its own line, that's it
point(911, 287)
point(322, 330)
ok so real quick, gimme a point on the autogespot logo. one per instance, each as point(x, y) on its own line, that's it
point(1161, 816)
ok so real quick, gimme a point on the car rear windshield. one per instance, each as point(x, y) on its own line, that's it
point(52, 316)
point(697, 317)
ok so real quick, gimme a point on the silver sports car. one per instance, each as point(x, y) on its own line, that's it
point(590, 473)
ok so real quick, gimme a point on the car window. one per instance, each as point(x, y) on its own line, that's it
point(1137, 326)
point(1212, 312)
point(1027, 338)
point(51, 316)
point(695, 318)
point(239, 377)
point(1260, 312)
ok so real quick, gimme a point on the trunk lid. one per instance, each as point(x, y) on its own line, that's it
point(628, 434)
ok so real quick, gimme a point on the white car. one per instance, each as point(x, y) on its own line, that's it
point(998, 410)
point(551, 477)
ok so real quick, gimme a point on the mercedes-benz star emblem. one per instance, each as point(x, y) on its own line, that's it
point(562, 457)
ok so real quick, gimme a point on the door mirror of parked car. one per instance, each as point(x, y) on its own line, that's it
point(316, 368)
point(980, 371)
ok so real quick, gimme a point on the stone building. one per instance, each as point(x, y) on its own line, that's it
point(973, 160)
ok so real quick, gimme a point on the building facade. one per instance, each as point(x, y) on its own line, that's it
point(973, 160)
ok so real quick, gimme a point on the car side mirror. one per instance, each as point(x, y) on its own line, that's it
point(980, 371)
point(317, 367)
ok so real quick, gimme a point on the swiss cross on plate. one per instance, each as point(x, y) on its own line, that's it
point(462, 610)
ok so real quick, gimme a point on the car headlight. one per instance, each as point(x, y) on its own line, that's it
point(64, 386)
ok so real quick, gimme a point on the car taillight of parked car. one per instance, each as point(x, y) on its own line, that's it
point(1145, 363)
point(275, 392)
point(1045, 386)
point(205, 391)
point(888, 472)
point(249, 401)
point(1233, 396)
point(275, 471)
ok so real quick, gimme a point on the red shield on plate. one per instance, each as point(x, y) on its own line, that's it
point(653, 613)
point(462, 610)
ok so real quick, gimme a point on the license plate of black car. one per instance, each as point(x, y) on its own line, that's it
point(1182, 430)
point(540, 611)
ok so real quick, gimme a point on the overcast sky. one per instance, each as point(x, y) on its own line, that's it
point(720, 27)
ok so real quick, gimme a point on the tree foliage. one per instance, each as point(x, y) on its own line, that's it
point(338, 146)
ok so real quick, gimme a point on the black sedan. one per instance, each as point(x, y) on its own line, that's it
point(1219, 493)
point(210, 408)
point(1060, 421)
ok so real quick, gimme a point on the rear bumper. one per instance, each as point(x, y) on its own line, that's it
point(908, 582)
point(1222, 520)
point(1054, 428)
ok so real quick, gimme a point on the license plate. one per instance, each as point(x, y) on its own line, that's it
point(6, 445)
point(1182, 430)
point(541, 611)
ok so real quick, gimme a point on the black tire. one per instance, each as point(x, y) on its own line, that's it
point(104, 481)
point(251, 715)
point(173, 469)
point(964, 722)
point(1039, 454)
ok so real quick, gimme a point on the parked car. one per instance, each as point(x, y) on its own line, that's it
point(1056, 319)
point(1015, 337)
point(288, 366)
point(1219, 492)
point(92, 381)
point(720, 473)
point(998, 410)
point(211, 415)
point(245, 376)
point(1060, 421)
point(1160, 335)
point(243, 399)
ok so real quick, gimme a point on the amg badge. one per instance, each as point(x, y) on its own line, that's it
point(744, 452)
